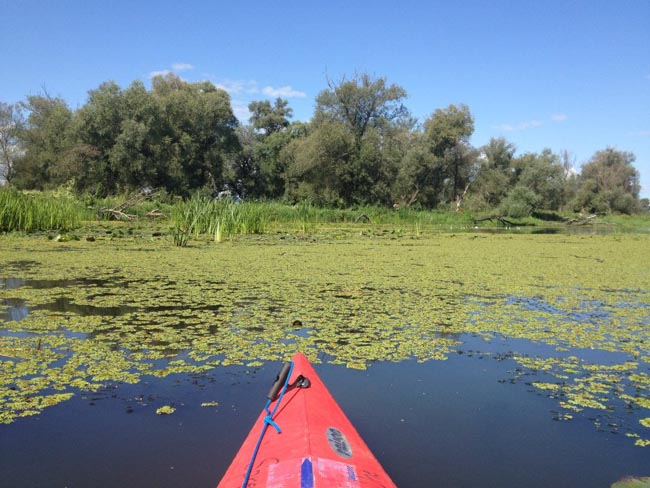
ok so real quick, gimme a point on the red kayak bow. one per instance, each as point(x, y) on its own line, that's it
point(310, 442)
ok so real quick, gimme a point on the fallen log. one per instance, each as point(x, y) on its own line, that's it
point(155, 214)
point(582, 220)
point(498, 218)
point(117, 214)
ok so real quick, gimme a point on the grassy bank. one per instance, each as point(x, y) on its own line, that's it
point(204, 217)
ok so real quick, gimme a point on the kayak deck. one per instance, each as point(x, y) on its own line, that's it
point(317, 446)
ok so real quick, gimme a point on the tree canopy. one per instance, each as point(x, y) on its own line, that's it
point(270, 118)
point(11, 122)
point(361, 146)
point(361, 103)
point(609, 183)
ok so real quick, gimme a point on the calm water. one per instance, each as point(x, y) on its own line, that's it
point(443, 423)
point(470, 421)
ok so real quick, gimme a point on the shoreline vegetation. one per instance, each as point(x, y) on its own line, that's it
point(362, 150)
point(203, 217)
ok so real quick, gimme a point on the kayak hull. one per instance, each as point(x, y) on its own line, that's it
point(317, 447)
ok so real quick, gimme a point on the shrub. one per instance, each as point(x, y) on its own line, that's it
point(520, 202)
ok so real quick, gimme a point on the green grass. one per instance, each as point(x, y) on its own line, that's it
point(203, 216)
point(218, 220)
point(636, 221)
point(33, 212)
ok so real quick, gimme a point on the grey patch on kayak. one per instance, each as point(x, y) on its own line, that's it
point(339, 443)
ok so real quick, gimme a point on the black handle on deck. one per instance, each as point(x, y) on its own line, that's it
point(279, 381)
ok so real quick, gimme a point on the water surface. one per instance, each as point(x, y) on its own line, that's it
point(463, 360)
point(446, 423)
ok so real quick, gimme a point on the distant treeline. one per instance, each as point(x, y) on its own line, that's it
point(362, 146)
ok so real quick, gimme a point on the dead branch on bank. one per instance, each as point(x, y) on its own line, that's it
point(498, 218)
point(405, 202)
point(116, 214)
point(582, 220)
point(119, 212)
point(156, 213)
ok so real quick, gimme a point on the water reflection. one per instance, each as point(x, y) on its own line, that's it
point(13, 309)
point(66, 305)
point(452, 422)
point(590, 312)
point(17, 309)
point(11, 283)
point(601, 230)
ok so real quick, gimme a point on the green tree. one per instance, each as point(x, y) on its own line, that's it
point(11, 122)
point(439, 162)
point(242, 171)
point(448, 127)
point(609, 182)
point(96, 128)
point(520, 202)
point(45, 139)
point(571, 177)
point(544, 175)
point(258, 170)
point(270, 153)
point(176, 136)
point(364, 113)
point(421, 176)
point(645, 205)
point(537, 183)
point(270, 118)
point(495, 174)
point(447, 134)
point(499, 153)
point(320, 166)
point(361, 103)
point(134, 156)
point(198, 132)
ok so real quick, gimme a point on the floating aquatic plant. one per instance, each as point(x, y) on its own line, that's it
point(115, 311)
point(165, 410)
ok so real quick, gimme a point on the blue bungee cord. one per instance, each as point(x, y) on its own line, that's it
point(268, 419)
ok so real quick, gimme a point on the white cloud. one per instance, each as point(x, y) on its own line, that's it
point(240, 109)
point(530, 124)
point(182, 66)
point(162, 72)
point(175, 68)
point(559, 117)
point(572, 172)
point(235, 87)
point(283, 92)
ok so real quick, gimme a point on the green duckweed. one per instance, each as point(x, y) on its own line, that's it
point(113, 311)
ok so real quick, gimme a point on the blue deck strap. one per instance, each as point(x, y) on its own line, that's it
point(268, 420)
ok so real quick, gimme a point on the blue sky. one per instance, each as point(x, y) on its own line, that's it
point(569, 75)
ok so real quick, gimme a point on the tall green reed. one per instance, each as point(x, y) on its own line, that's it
point(33, 212)
point(219, 219)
